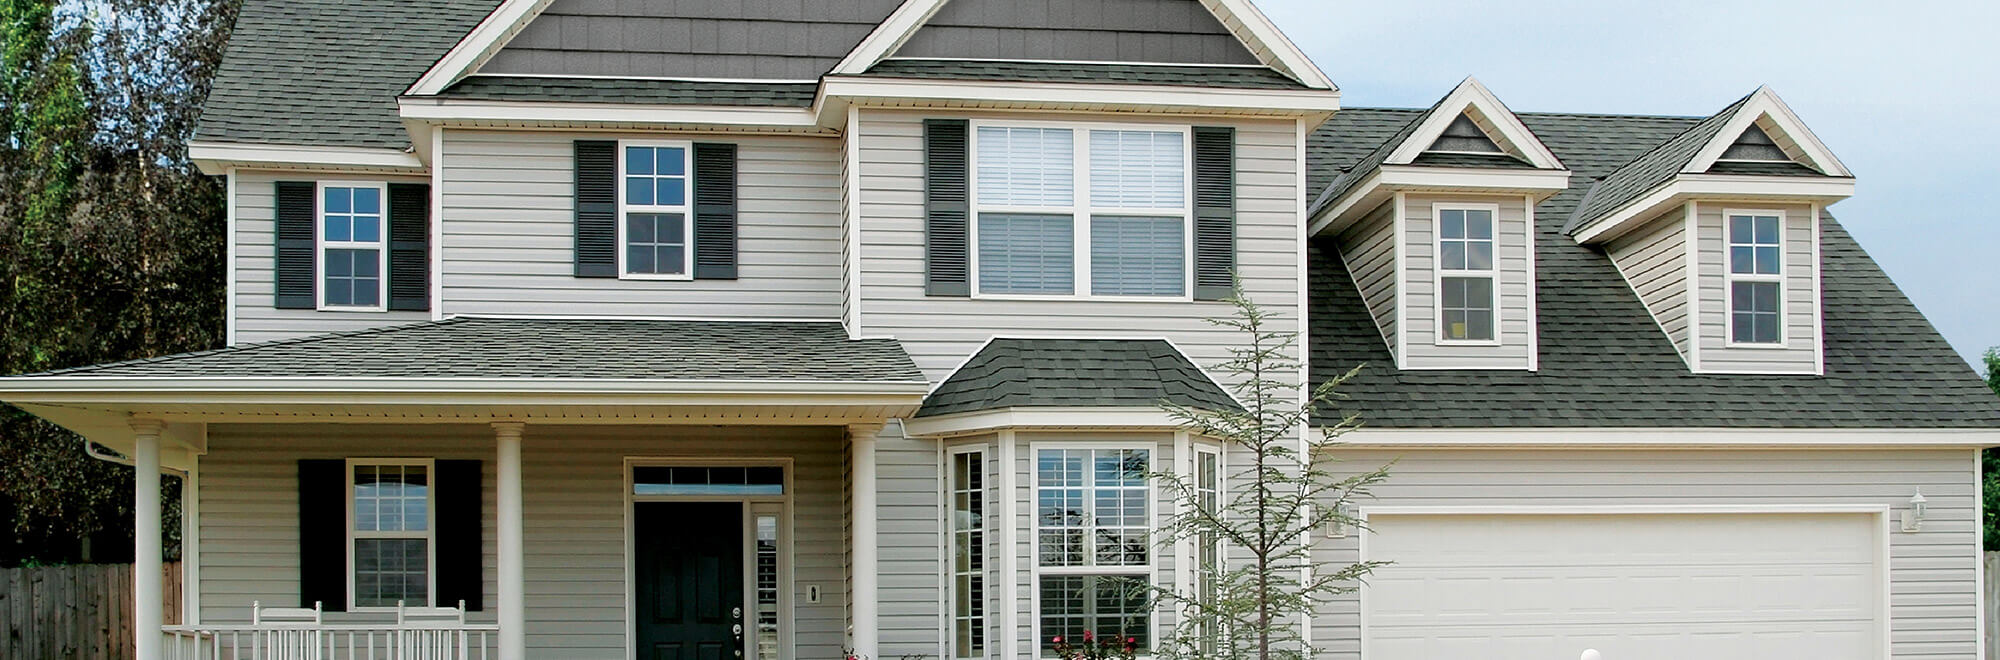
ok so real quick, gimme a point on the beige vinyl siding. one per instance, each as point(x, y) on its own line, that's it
point(1801, 319)
point(940, 332)
point(1514, 298)
point(574, 518)
point(1369, 250)
point(509, 232)
point(1654, 262)
point(909, 539)
point(257, 318)
point(1933, 592)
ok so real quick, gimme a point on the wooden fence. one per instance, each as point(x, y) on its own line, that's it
point(81, 611)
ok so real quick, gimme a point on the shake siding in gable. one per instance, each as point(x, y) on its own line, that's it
point(1177, 31)
point(574, 518)
point(1801, 315)
point(508, 233)
point(939, 332)
point(1654, 262)
point(1513, 297)
point(1369, 250)
point(257, 318)
point(1934, 586)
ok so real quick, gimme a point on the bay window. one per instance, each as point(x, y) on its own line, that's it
point(1094, 560)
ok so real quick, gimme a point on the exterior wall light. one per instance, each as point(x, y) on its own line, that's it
point(1913, 517)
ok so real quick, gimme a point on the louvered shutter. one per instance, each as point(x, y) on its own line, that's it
point(410, 246)
point(1214, 212)
point(715, 211)
point(296, 248)
point(946, 211)
point(458, 534)
point(596, 208)
point(323, 534)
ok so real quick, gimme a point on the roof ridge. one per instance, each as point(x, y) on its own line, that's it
point(288, 341)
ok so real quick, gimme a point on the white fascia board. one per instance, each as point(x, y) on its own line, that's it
point(1270, 44)
point(114, 389)
point(449, 112)
point(1666, 437)
point(1081, 96)
point(1716, 187)
point(888, 37)
point(478, 45)
point(215, 158)
point(1388, 179)
point(1471, 94)
point(1040, 418)
point(1763, 103)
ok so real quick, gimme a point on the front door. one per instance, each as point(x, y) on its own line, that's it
point(689, 570)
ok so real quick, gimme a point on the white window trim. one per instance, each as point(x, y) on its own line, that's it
point(1150, 571)
point(686, 209)
point(380, 246)
point(951, 549)
point(429, 535)
point(1081, 210)
point(787, 580)
point(1730, 278)
point(1440, 273)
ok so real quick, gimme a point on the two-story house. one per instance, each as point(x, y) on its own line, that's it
point(709, 329)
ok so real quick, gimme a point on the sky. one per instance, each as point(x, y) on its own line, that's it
point(1902, 92)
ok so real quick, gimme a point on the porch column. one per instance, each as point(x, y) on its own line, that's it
point(866, 598)
point(147, 606)
point(513, 619)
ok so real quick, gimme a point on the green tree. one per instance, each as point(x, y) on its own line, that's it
point(1284, 489)
point(1990, 462)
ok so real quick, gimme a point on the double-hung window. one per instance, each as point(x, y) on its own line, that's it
point(1067, 211)
point(655, 229)
point(968, 553)
point(390, 532)
point(351, 223)
point(1756, 277)
point(1094, 561)
point(1466, 311)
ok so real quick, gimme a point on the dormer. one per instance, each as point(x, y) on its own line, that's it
point(1437, 227)
point(1718, 230)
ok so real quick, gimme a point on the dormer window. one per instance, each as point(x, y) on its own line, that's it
point(1756, 277)
point(1465, 264)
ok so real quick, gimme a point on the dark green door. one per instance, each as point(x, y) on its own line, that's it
point(690, 580)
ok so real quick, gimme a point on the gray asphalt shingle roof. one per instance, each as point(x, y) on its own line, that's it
point(469, 347)
point(1604, 361)
point(1011, 372)
point(1239, 77)
point(613, 90)
point(1648, 171)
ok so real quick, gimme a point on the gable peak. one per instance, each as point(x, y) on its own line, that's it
point(1472, 120)
point(1763, 128)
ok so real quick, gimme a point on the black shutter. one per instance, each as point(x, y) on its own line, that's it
point(410, 246)
point(945, 211)
point(596, 208)
point(297, 208)
point(459, 559)
point(715, 211)
point(323, 534)
point(1214, 212)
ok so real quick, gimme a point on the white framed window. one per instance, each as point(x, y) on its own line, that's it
point(1756, 277)
point(1093, 548)
point(391, 540)
point(655, 216)
point(1081, 210)
point(1208, 558)
point(351, 221)
point(967, 489)
point(1466, 252)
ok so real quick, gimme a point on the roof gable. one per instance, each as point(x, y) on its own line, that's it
point(1013, 372)
point(1131, 31)
point(1472, 104)
point(1768, 114)
point(1463, 136)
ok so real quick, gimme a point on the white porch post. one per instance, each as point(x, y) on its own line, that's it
point(513, 636)
point(147, 607)
point(861, 448)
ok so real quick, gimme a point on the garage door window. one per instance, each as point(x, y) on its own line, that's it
point(1094, 560)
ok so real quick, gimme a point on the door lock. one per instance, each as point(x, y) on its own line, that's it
point(736, 630)
point(736, 613)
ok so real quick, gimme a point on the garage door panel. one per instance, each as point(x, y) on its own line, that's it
point(1715, 587)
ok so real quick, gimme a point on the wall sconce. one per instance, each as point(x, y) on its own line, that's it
point(1341, 528)
point(1913, 517)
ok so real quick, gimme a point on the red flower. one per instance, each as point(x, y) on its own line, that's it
point(1087, 636)
point(1057, 640)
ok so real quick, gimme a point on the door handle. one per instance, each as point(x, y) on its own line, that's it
point(736, 613)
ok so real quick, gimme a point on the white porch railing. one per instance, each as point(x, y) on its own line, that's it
point(331, 642)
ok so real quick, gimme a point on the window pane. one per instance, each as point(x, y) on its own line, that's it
point(368, 228)
point(366, 263)
point(1137, 169)
point(672, 192)
point(672, 160)
point(1742, 259)
point(1479, 255)
point(696, 480)
point(338, 228)
point(1741, 229)
point(639, 190)
point(387, 571)
point(1113, 606)
point(968, 540)
point(1135, 256)
point(338, 200)
point(638, 160)
point(1479, 224)
point(1452, 255)
point(1451, 223)
point(767, 587)
point(1467, 307)
point(1026, 254)
point(367, 201)
point(1767, 230)
point(1025, 166)
point(1767, 260)
point(1754, 312)
point(654, 243)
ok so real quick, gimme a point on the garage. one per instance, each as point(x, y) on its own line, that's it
point(1666, 586)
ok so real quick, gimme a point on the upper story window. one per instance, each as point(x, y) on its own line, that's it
point(1756, 277)
point(350, 243)
point(390, 533)
point(1093, 516)
point(1108, 218)
point(1465, 273)
point(656, 230)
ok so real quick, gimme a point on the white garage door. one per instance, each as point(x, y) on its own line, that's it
point(1634, 587)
